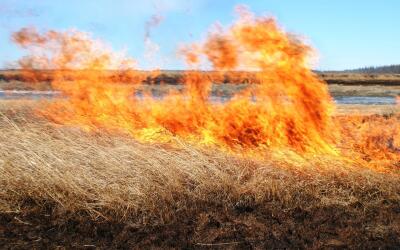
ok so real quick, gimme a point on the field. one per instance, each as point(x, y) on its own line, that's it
point(263, 158)
point(348, 83)
point(361, 78)
point(64, 187)
point(247, 148)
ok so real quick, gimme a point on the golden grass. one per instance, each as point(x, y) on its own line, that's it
point(359, 109)
point(360, 78)
point(55, 178)
point(364, 90)
point(349, 82)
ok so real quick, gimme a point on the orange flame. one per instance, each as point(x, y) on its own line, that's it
point(288, 108)
point(373, 139)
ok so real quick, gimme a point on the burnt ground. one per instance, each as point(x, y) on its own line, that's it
point(242, 227)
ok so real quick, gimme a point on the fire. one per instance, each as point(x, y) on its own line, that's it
point(372, 140)
point(288, 107)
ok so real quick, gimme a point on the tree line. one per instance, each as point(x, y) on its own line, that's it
point(389, 69)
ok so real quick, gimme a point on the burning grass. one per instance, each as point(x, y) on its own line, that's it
point(288, 108)
point(62, 186)
point(270, 167)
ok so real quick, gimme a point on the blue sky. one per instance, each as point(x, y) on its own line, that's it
point(347, 34)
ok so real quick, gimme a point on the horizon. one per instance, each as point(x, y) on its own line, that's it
point(344, 39)
point(202, 70)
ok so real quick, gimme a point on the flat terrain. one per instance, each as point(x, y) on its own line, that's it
point(360, 78)
point(364, 90)
point(63, 187)
point(351, 83)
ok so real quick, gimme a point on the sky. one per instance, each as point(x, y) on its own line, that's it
point(346, 34)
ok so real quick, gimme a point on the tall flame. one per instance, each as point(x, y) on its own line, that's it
point(289, 107)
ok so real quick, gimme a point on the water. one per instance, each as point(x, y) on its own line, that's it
point(35, 95)
point(366, 100)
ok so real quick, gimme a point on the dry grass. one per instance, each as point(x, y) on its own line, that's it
point(361, 78)
point(364, 90)
point(356, 83)
point(60, 186)
point(359, 109)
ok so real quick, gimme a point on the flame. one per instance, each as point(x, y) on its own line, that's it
point(373, 140)
point(287, 107)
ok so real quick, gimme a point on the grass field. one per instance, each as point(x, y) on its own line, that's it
point(340, 83)
point(64, 187)
point(254, 153)
point(360, 78)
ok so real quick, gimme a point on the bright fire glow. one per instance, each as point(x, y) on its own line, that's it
point(288, 107)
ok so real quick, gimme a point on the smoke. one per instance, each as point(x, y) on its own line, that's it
point(9, 14)
point(69, 49)
point(154, 21)
point(9, 11)
point(151, 48)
